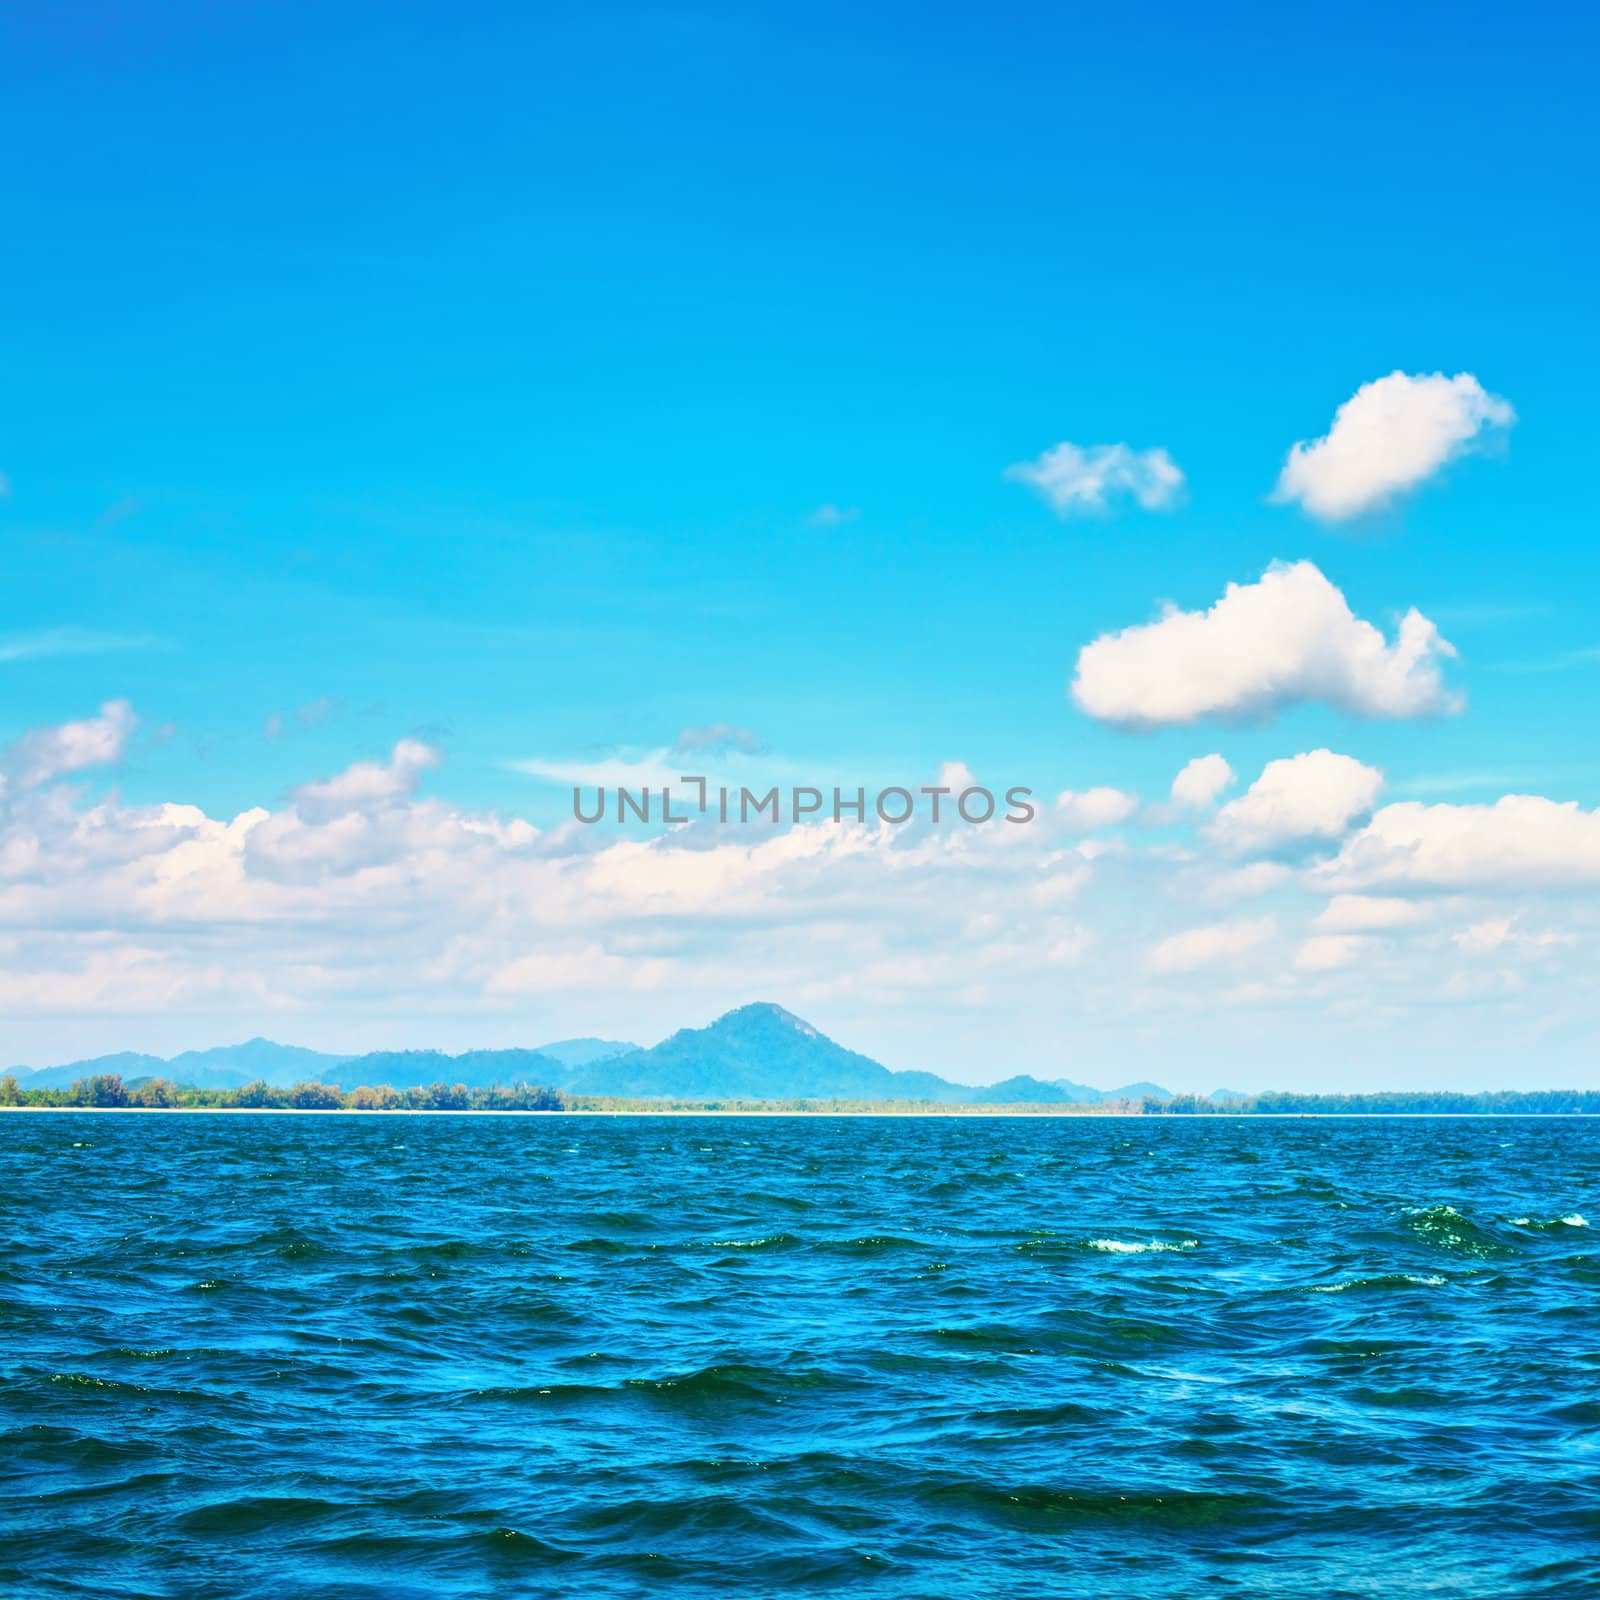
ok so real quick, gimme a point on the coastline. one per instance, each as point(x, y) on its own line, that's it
point(1037, 1114)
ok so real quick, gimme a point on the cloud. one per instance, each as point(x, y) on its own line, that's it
point(1359, 913)
point(1502, 933)
point(625, 769)
point(1388, 437)
point(363, 896)
point(1083, 812)
point(1207, 946)
point(1316, 795)
point(368, 785)
point(44, 643)
point(831, 516)
point(45, 754)
point(1238, 883)
point(1521, 841)
point(1079, 480)
point(314, 714)
point(718, 738)
point(1201, 781)
point(368, 908)
point(1329, 951)
point(1288, 639)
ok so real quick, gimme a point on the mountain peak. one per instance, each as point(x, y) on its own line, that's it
point(771, 1013)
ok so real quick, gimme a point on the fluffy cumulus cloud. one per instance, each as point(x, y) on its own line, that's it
point(1088, 480)
point(45, 754)
point(1082, 811)
point(1214, 944)
point(364, 894)
point(1288, 639)
point(368, 785)
point(1388, 437)
point(1200, 781)
point(1314, 796)
point(1521, 841)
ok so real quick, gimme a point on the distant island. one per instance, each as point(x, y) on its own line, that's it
point(758, 1058)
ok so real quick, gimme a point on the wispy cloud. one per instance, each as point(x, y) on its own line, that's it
point(1078, 480)
point(1461, 782)
point(719, 738)
point(43, 643)
point(324, 709)
point(830, 516)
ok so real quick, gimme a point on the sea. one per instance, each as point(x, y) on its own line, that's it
point(429, 1356)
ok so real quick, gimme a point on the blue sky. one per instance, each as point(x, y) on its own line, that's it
point(478, 379)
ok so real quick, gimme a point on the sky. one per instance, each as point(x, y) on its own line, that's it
point(406, 413)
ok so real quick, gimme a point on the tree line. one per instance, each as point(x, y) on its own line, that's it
point(1525, 1102)
point(108, 1092)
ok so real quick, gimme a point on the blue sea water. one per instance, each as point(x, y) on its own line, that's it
point(430, 1356)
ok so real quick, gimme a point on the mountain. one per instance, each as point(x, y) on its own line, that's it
point(1028, 1090)
point(1025, 1089)
point(580, 1052)
point(478, 1069)
point(225, 1067)
point(758, 1052)
point(1139, 1091)
point(230, 1065)
point(126, 1063)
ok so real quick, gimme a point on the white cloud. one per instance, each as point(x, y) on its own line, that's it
point(1240, 883)
point(1080, 480)
point(1316, 795)
point(1360, 913)
point(1502, 933)
point(1389, 436)
point(1329, 951)
point(1084, 811)
point(1288, 639)
point(368, 910)
point(1521, 841)
point(364, 897)
point(41, 756)
point(1207, 946)
point(368, 785)
point(1201, 781)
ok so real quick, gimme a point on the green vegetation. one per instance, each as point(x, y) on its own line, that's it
point(1525, 1102)
point(111, 1093)
point(630, 1105)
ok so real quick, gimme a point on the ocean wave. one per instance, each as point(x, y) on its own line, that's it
point(1380, 1281)
point(825, 1355)
point(1446, 1228)
point(1573, 1219)
point(1139, 1247)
